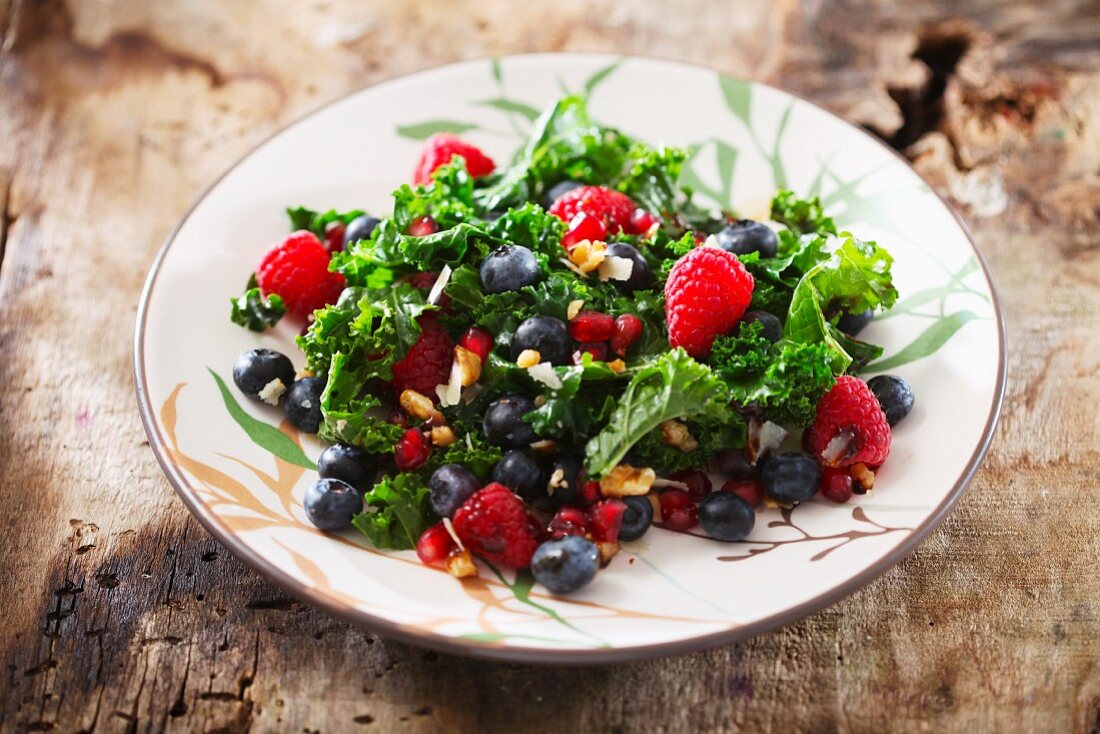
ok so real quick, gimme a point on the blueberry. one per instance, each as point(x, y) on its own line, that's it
point(330, 504)
point(641, 277)
point(509, 268)
point(853, 323)
point(359, 228)
point(503, 423)
point(745, 236)
point(726, 516)
point(520, 473)
point(546, 335)
point(257, 368)
point(565, 564)
point(637, 518)
point(791, 478)
point(771, 329)
point(557, 191)
point(303, 404)
point(565, 474)
point(349, 464)
point(894, 395)
point(451, 485)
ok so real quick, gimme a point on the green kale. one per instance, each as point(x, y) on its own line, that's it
point(581, 405)
point(651, 181)
point(712, 436)
point(804, 216)
point(471, 450)
point(349, 409)
point(316, 222)
point(254, 311)
point(397, 512)
point(532, 227)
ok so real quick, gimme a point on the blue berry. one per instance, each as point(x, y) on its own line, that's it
point(330, 504)
point(565, 475)
point(637, 518)
point(557, 191)
point(520, 473)
point(853, 323)
point(894, 395)
point(349, 464)
point(771, 329)
point(641, 277)
point(726, 516)
point(257, 368)
point(745, 236)
point(565, 564)
point(451, 485)
point(791, 478)
point(359, 228)
point(503, 424)
point(303, 404)
point(546, 335)
point(509, 268)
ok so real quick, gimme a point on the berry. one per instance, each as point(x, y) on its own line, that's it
point(735, 462)
point(771, 329)
point(509, 268)
point(255, 369)
point(427, 363)
point(520, 473)
point(558, 190)
point(422, 226)
point(745, 236)
point(836, 485)
point(349, 464)
point(678, 512)
point(698, 483)
point(584, 227)
point(334, 236)
point(297, 269)
point(750, 490)
point(565, 564)
point(451, 485)
point(478, 341)
point(637, 518)
point(590, 492)
point(790, 478)
point(613, 208)
point(641, 277)
point(598, 352)
point(398, 418)
point(591, 326)
point(706, 293)
point(547, 335)
point(850, 426)
point(441, 148)
point(894, 395)
point(628, 328)
point(411, 450)
point(853, 323)
point(330, 504)
point(565, 483)
point(642, 221)
point(503, 424)
point(302, 404)
point(360, 228)
point(435, 544)
point(605, 519)
point(494, 524)
point(567, 521)
point(726, 516)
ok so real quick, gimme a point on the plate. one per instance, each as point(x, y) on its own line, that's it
point(243, 473)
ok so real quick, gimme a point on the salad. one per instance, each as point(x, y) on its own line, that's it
point(527, 365)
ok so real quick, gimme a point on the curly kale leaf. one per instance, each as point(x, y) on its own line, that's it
point(397, 512)
point(317, 222)
point(253, 310)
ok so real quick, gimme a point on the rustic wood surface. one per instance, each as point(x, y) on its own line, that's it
point(119, 612)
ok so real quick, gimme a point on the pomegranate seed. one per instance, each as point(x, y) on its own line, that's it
point(836, 484)
point(605, 518)
point(434, 545)
point(398, 418)
point(567, 521)
point(591, 326)
point(642, 221)
point(590, 492)
point(750, 490)
point(699, 238)
point(422, 226)
point(735, 462)
point(628, 328)
point(412, 450)
point(678, 512)
point(808, 441)
point(584, 227)
point(698, 483)
point(598, 352)
point(478, 341)
point(334, 236)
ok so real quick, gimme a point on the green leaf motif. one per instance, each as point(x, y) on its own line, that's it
point(262, 434)
point(424, 130)
point(510, 105)
point(521, 588)
point(594, 81)
point(738, 96)
point(926, 343)
point(494, 66)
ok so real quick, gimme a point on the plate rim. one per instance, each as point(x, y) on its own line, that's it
point(538, 655)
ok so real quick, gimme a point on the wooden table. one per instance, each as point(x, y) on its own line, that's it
point(119, 613)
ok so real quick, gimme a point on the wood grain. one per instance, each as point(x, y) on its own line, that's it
point(121, 614)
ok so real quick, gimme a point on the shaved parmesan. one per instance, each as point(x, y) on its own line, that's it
point(616, 268)
point(439, 285)
point(544, 372)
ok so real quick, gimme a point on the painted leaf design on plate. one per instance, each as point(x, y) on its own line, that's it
point(428, 128)
point(926, 343)
point(264, 435)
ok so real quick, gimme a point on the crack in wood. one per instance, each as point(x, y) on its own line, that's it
point(939, 49)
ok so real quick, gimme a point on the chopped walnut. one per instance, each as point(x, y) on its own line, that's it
point(573, 309)
point(443, 436)
point(460, 564)
point(863, 479)
point(627, 481)
point(419, 406)
point(588, 254)
point(607, 551)
point(528, 358)
point(676, 434)
point(617, 366)
point(468, 365)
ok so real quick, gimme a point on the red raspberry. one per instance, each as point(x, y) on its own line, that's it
point(678, 512)
point(750, 490)
point(441, 148)
point(698, 483)
point(613, 208)
point(706, 294)
point(836, 485)
point(494, 524)
point(568, 521)
point(591, 326)
point(297, 269)
point(628, 328)
point(605, 519)
point(428, 362)
point(434, 545)
point(598, 352)
point(478, 341)
point(850, 427)
point(583, 227)
point(411, 450)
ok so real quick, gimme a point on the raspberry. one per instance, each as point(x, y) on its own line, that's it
point(428, 362)
point(628, 328)
point(441, 148)
point(613, 208)
point(297, 269)
point(434, 545)
point(591, 326)
point(494, 524)
point(750, 490)
point(411, 450)
point(478, 341)
point(678, 512)
point(584, 227)
point(706, 294)
point(605, 519)
point(850, 427)
point(568, 521)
